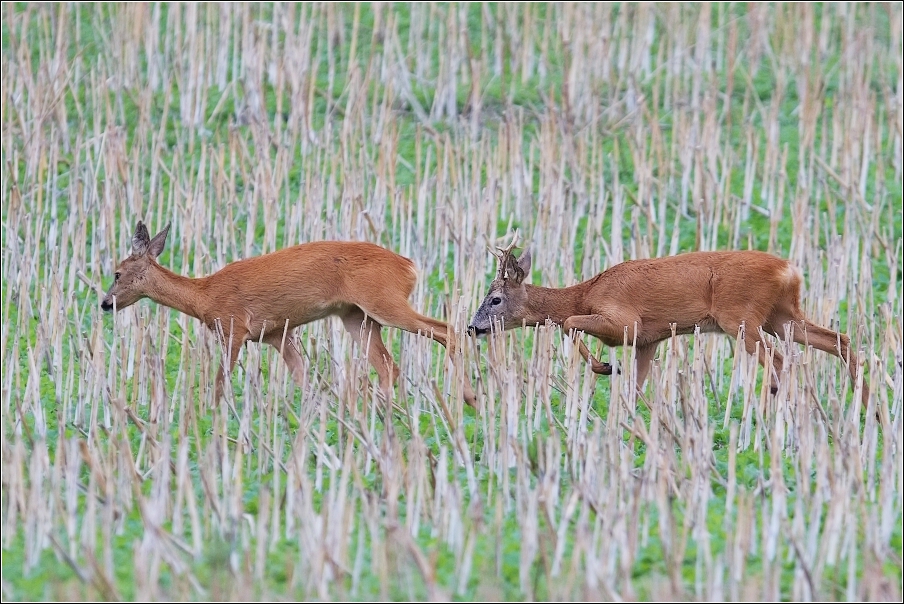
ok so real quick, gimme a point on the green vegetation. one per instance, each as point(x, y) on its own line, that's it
point(601, 132)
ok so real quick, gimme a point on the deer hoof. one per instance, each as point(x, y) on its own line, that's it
point(602, 368)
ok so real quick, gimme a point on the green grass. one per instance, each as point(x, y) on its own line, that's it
point(580, 161)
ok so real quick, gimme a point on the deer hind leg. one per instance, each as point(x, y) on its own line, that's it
point(402, 316)
point(398, 314)
point(366, 334)
point(833, 342)
point(751, 338)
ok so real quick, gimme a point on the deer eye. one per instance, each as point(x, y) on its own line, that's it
point(496, 301)
point(116, 277)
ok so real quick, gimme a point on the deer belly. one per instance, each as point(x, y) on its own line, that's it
point(705, 325)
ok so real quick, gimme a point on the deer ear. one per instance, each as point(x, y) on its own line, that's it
point(516, 269)
point(156, 246)
point(140, 240)
point(524, 265)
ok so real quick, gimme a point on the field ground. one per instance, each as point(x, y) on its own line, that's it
point(601, 132)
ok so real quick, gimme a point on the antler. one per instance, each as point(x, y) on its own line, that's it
point(508, 263)
point(503, 251)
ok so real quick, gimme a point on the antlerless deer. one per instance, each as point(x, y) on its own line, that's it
point(262, 298)
point(713, 291)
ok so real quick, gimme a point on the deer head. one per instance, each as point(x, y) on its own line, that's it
point(505, 302)
point(130, 281)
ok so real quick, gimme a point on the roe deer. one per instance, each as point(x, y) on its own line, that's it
point(260, 298)
point(638, 301)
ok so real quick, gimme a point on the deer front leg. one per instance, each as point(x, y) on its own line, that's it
point(290, 355)
point(227, 364)
point(596, 366)
point(610, 331)
point(601, 327)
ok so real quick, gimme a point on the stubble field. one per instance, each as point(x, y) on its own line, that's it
point(602, 132)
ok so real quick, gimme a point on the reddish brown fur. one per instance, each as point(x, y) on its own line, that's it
point(259, 298)
point(641, 299)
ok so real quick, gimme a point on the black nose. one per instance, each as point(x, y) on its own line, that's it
point(107, 306)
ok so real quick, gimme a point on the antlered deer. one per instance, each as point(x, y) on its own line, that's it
point(260, 298)
point(715, 291)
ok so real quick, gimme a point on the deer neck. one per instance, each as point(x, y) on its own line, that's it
point(555, 304)
point(184, 294)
